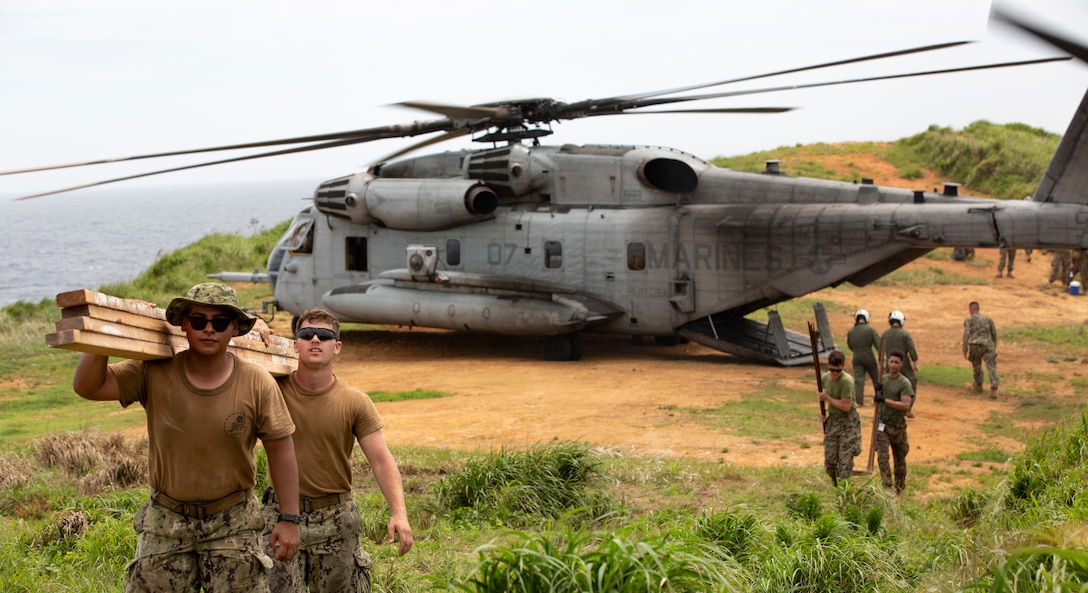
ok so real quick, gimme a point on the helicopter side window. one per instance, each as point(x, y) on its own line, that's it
point(302, 240)
point(553, 254)
point(453, 252)
point(356, 260)
point(636, 256)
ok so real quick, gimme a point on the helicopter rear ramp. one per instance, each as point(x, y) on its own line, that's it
point(767, 342)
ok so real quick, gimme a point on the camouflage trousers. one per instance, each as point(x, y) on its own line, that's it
point(863, 367)
point(330, 558)
point(222, 552)
point(978, 354)
point(894, 437)
point(842, 442)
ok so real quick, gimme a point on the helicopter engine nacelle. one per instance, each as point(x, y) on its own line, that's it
point(406, 204)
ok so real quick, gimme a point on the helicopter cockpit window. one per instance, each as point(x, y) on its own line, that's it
point(636, 256)
point(356, 254)
point(553, 254)
point(453, 252)
point(302, 239)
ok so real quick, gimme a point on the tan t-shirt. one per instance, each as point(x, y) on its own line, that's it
point(201, 440)
point(329, 422)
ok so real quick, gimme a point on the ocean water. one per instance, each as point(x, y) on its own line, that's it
point(102, 235)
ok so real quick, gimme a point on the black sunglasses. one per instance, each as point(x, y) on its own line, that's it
point(219, 324)
point(308, 333)
point(834, 370)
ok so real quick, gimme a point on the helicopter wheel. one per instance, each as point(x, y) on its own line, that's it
point(562, 348)
point(666, 340)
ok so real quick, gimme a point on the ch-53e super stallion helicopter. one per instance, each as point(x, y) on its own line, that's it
point(552, 241)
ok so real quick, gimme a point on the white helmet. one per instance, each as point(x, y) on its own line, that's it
point(897, 316)
point(863, 314)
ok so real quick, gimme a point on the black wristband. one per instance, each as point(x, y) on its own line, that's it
point(288, 517)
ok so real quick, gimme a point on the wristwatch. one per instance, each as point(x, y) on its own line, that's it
point(288, 517)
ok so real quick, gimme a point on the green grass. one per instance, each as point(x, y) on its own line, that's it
point(388, 396)
point(947, 375)
point(927, 278)
point(770, 412)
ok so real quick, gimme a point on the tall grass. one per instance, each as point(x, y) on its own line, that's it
point(519, 487)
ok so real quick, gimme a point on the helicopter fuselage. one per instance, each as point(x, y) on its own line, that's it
point(622, 240)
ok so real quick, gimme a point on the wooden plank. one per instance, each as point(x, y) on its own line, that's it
point(101, 324)
point(108, 328)
point(90, 342)
point(115, 316)
point(89, 297)
point(122, 347)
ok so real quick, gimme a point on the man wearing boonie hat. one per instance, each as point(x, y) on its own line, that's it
point(205, 410)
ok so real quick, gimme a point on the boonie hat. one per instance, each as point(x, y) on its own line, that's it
point(212, 294)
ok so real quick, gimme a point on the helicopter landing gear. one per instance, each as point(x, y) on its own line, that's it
point(565, 347)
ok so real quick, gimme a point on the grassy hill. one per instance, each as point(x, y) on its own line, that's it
point(1000, 161)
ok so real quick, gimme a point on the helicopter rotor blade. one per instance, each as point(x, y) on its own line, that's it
point(357, 136)
point(456, 111)
point(667, 100)
point(321, 146)
point(717, 110)
point(879, 56)
point(428, 142)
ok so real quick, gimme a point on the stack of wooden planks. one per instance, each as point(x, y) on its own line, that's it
point(102, 324)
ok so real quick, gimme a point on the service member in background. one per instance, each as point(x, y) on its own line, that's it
point(979, 346)
point(330, 416)
point(894, 401)
point(205, 411)
point(842, 426)
point(864, 343)
point(897, 338)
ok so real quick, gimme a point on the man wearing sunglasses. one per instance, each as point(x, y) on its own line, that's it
point(201, 528)
point(330, 416)
point(842, 429)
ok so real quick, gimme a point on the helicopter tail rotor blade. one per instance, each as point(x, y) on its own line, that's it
point(1067, 45)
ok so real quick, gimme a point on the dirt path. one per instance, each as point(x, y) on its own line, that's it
point(622, 396)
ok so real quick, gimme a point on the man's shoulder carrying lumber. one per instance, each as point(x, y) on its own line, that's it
point(125, 328)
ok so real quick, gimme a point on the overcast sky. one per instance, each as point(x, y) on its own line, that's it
point(86, 80)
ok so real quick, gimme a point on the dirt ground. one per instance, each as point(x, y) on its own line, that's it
point(623, 396)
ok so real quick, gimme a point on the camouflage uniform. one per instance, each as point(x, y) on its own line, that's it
point(329, 557)
point(179, 553)
point(1079, 265)
point(864, 343)
point(893, 435)
point(842, 433)
point(1010, 256)
point(980, 345)
point(1060, 264)
point(897, 338)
